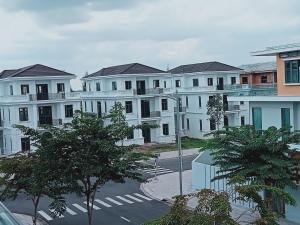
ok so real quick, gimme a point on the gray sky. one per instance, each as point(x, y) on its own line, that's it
point(86, 35)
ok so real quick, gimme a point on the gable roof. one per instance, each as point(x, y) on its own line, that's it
point(132, 68)
point(36, 70)
point(203, 67)
point(259, 67)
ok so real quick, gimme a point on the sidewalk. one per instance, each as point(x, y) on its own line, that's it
point(27, 220)
point(166, 186)
point(174, 154)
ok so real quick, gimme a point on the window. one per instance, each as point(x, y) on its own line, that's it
point(90, 87)
point(92, 106)
point(257, 118)
point(177, 83)
point(165, 84)
point(23, 114)
point(11, 90)
point(199, 101)
point(188, 124)
point(155, 83)
point(244, 80)
point(182, 121)
point(98, 87)
point(242, 120)
point(105, 107)
point(114, 85)
point(128, 85)
point(164, 104)
point(264, 79)
point(212, 124)
point(24, 89)
point(25, 144)
point(275, 77)
point(233, 80)
point(285, 118)
point(60, 88)
point(195, 82)
point(128, 106)
point(165, 129)
point(130, 134)
point(292, 71)
point(85, 108)
point(200, 125)
point(68, 111)
point(187, 101)
point(241, 102)
point(99, 109)
point(210, 82)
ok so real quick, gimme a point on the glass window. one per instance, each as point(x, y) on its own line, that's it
point(210, 82)
point(60, 88)
point(165, 84)
point(99, 109)
point(187, 101)
point(264, 79)
point(244, 80)
point(114, 85)
point(165, 129)
point(199, 101)
point(68, 111)
point(128, 106)
point(285, 118)
point(242, 120)
point(23, 114)
point(128, 85)
point(292, 71)
point(164, 104)
point(188, 124)
point(200, 125)
point(24, 89)
point(11, 90)
point(233, 80)
point(155, 83)
point(177, 83)
point(195, 82)
point(182, 121)
point(98, 87)
point(257, 118)
point(25, 144)
point(241, 102)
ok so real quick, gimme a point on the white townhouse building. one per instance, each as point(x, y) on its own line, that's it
point(196, 83)
point(144, 92)
point(33, 96)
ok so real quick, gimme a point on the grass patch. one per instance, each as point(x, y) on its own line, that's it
point(186, 143)
point(153, 222)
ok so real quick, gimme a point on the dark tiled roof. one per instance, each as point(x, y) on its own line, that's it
point(203, 67)
point(259, 67)
point(132, 68)
point(36, 70)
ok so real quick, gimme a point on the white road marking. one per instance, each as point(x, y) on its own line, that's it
point(134, 198)
point(142, 196)
point(71, 212)
point(58, 216)
point(94, 206)
point(113, 201)
point(80, 208)
point(127, 220)
point(124, 199)
point(102, 203)
point(45, 215)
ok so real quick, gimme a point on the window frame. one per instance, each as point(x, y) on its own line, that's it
point(69, 113)
point(128, 107)
point(264, 79)
point(128, 85)
point(98, 86)
point(210, 81)
point(178, 83)
point(59, 86)
point(165, 128)
point(164, 104)
point(26, 86)
point(195, 82)
point(25, 141)
point(233, 80)
point(23, 114)
point(114, 86)
point(155, 83)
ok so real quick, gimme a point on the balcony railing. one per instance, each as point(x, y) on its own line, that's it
point(47, 96)
point(152, 114)
point(233, 108)
point(181, 109)
point(53, 122)
point(150, 91)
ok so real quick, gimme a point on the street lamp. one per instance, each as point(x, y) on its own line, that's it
point(177, 99)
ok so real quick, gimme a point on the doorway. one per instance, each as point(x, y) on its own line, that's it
point(42, 92)
point(145, 108)
point(140, 87)
point(146, 132)
point(45, 115)
point(220, 85)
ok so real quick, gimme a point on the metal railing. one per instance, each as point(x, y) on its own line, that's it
point(47, 96)
point(233, 107)
point(152, 114)
point(53, 122)
point(149, 91)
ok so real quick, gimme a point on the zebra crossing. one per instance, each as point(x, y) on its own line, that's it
point(157, 171)
point(107, 202)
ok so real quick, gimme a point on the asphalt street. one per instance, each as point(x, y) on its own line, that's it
point(116, 204)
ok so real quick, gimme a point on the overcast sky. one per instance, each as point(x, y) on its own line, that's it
point(85, 35)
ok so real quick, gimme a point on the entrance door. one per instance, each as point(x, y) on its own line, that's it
point(220, 83)
point(45, 115)
point(42, 92)
point(145, 108)
point(146, 132)
point(140, 87)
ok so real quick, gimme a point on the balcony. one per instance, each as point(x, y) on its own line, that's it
point(150, 91)
point(153, 114)
point(181, 109)
point(266, 89)
point(49, 122)
point(47, 96)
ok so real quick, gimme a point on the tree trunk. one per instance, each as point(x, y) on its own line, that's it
point(35, 204)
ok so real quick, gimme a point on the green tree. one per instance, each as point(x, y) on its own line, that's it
point(89, 155)
point(258, 157)
point(28, 174)
point(215, 110)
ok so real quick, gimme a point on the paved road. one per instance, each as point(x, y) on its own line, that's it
point(117, 204)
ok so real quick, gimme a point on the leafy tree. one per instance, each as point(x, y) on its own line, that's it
point(88, 155)
point(215, 109)
point(259, 157)
point(28, 174)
